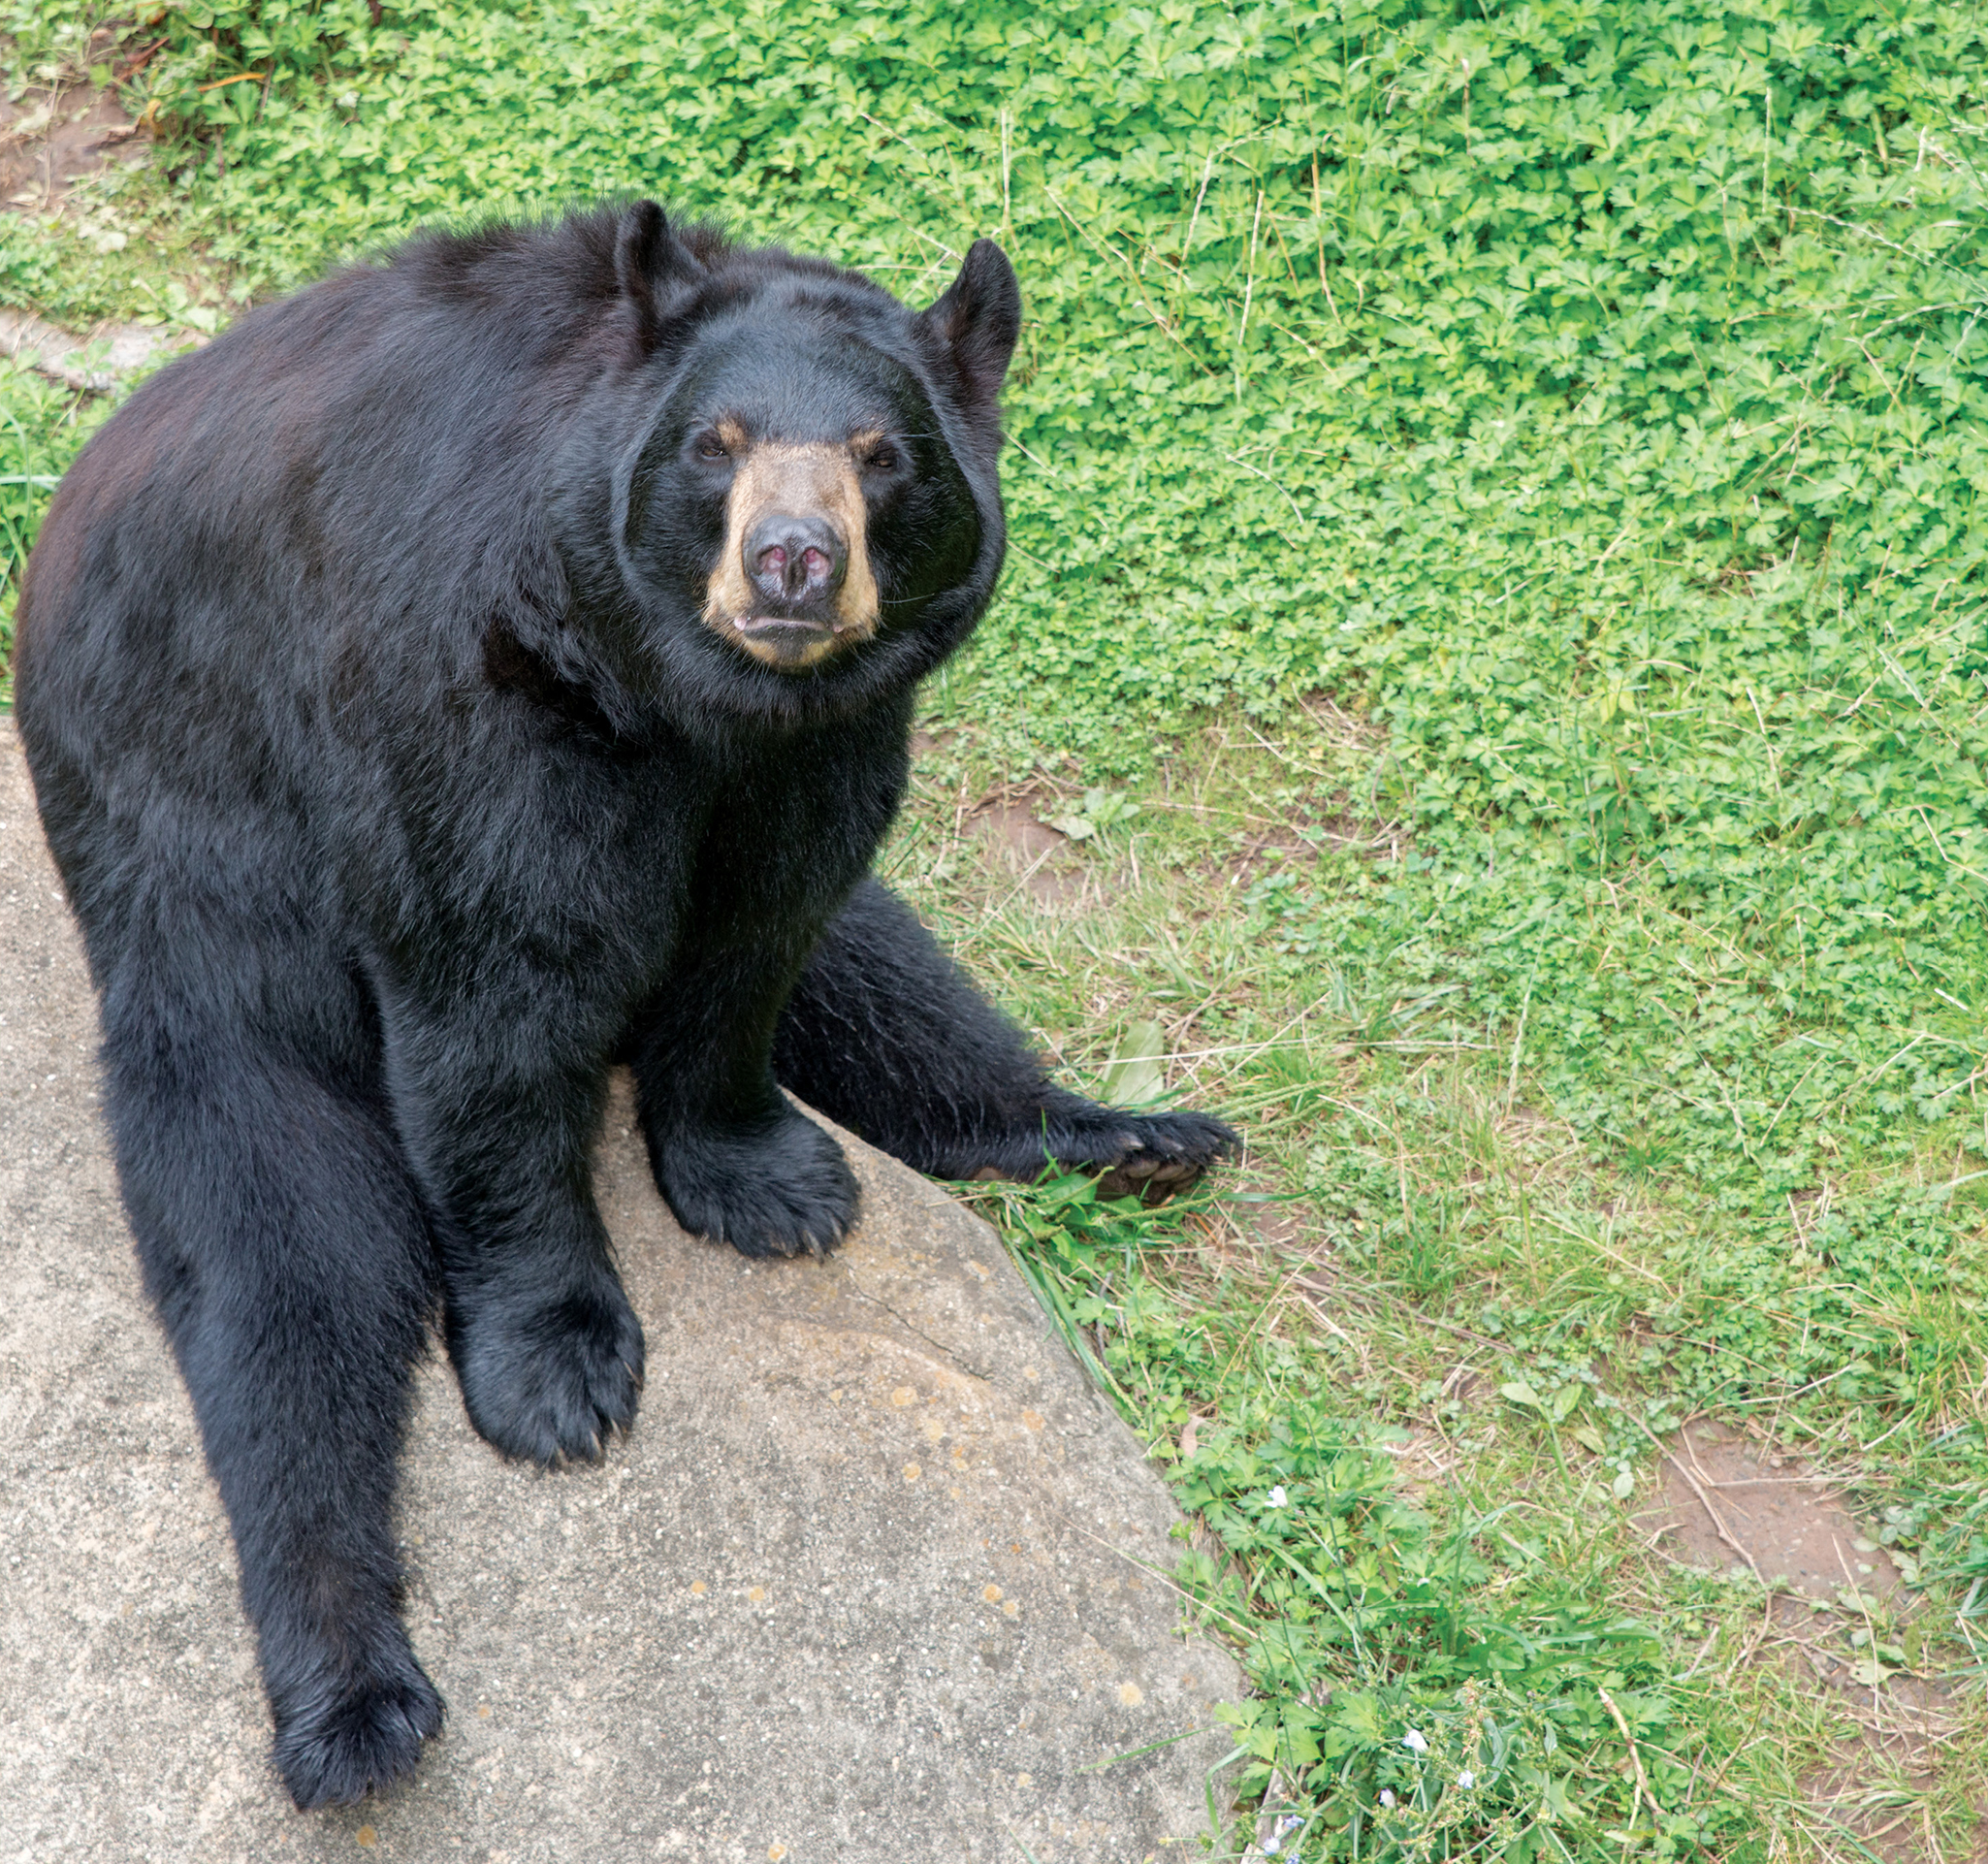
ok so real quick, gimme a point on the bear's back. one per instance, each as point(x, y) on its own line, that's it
point(371, 418)
point(325, 501)
point(322, 491)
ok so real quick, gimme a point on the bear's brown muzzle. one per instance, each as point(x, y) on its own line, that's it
point(793, 584)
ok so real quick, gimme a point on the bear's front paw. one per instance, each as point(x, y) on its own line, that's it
point(1148, 1155)
point(342, 1741)
point(777, 1189)
point(550, 1378)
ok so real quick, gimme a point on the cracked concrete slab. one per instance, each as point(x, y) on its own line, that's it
point(878, 1576)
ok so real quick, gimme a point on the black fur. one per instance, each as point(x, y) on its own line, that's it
point(400, 790)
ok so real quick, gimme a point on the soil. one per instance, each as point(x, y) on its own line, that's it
point(48, 139)
point(1271, 1218)
point(1730, 1502)
point(97, 361)
point(1040, 857)
point(1262, 854)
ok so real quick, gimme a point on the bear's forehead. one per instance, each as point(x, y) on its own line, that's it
point(773, 376)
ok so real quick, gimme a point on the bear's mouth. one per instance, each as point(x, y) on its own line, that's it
point(773, 624)
point(790, 640)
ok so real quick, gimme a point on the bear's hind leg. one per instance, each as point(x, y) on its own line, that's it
point(885, 1034)
point(285, 1249)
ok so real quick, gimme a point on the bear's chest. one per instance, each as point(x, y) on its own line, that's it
point(616, 872)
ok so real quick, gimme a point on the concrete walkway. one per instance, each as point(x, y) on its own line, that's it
point(878, 1576)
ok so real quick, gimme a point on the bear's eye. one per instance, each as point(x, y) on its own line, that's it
point(711, 447)
point(883, 459)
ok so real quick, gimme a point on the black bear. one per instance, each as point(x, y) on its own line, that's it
point(487, 666)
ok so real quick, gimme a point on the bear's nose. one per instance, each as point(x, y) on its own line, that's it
point(791, 561)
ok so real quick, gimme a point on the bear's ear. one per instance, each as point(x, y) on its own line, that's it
point(977, 320)
point(648, 257)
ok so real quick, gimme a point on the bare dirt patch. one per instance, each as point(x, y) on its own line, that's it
point(1271, 1218)
point(1729, 1501)
point(1840, 1604)
point(1262, 853)
point(1040, 858)
point(1427, 1461)
point(50, 139)
point(96, 361)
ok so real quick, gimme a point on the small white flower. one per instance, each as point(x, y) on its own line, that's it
point(1386, 1798)
point(1414, 1742)
point(1278, 1498)
point(1466, 1780)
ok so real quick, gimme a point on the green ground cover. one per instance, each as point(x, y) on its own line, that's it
point(1497, 611)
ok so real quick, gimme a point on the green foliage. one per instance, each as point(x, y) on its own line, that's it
point(41, 425)
point(1435, 1690)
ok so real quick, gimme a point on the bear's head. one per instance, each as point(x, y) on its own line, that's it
point(804, 510)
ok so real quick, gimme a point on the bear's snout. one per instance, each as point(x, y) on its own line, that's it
point(796, 562)
point(793, 583)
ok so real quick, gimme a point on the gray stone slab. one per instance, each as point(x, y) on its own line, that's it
point(878, 1576)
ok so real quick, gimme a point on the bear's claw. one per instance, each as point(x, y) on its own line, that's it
point(1149, 1156)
